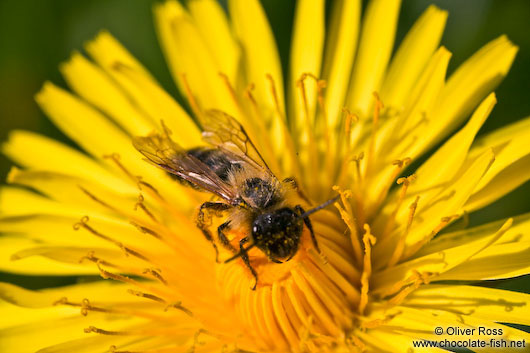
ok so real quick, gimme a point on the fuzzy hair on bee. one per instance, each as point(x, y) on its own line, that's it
point(247, 193)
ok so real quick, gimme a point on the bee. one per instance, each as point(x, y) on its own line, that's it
point(247, 191)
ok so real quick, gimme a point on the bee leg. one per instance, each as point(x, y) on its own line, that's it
point(222, 237)
point(309, 226)
point(244, 255)
point(204, 220)
point(294, 184)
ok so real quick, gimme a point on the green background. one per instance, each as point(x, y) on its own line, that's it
point(35, 36)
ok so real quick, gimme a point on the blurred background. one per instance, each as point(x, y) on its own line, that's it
point(35, 36)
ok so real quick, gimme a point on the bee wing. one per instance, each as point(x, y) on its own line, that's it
point(168, 155)
point(224, 131)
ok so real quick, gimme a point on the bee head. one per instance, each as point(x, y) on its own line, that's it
point(278, 233)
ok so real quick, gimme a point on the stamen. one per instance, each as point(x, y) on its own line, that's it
point(178, 306)
point(146, 295)
point(155, 273)
point(375, 123)
point(91, 257)
point(356, 343)
point(189, 95)
point(231, 90)
point(260, 120)
point(140, 204)
point(149, 187)
point(146, 230)
point(346, 212)
point(399, 164)
point(378, 322)
point(96, 199)
point(275, 95)
point(348, 123)
point(312, 146)
point(418, 245)
point(400, 246)
point(368, 241)
point(420, 278)
point(404, 182)
point(115, 157)
point(357, 160)
point(114, 349)
point(321, 84)
point(90, 329)
point(196, 340)
point(84, 224)
point(287, 136)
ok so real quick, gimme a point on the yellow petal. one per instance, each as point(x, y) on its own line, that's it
point(259, 47)
point(512, 151)
point(412, 56)
point(158, 104)
point(17, 201)
point(341, 44)
point(486, 303)
point(92, 84)
point(391, 342)
point(519, 231)
point(306, 57)
point(37, 265)
point(447, 202)
point(78, 120)
point(198, 65)
point(467, 86)
point(507, 180)
point(140, 88)
point(498, 261)
point(35, 151)
point(437, 263)
point(213, 25)
point(377, 41)
point(420, 105)
point(443, 165)
point(421, 322)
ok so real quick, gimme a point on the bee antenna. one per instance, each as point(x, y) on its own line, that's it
point(319, 207)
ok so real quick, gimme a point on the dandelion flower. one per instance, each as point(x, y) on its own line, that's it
point(348, 120)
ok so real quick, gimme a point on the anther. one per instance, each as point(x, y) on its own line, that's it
point(356, 343)
point(127, 251)
point(146, 230)
point(399, 164)
point(349, 120)
point(140, 204)
point(379, 322)
point(141, 183)
point(400, 247)
point(178, 306)
point(189, 95)
point(347, 215)
point(357, 160)
point(60, 301)
point(228, 85)
point(94, 329)
point(81, 223)
point(274, 94)
point(85, 306)
point(155, 273)
point(404, 182)
point(368, 240)
point(375, 123)
point(96, 199)
point(419, 244)
point(115, 157)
